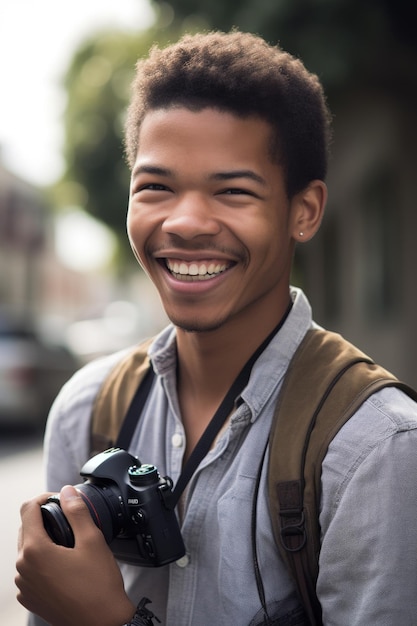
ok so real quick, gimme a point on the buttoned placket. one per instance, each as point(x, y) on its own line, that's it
point(198, 499)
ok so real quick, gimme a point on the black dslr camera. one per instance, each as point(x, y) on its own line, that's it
point(130, 503)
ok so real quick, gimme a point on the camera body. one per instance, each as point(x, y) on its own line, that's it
point(130, 503)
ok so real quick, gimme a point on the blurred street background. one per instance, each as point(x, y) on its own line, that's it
point(70, 289)
point(20, 479)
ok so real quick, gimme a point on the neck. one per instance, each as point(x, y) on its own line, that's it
point(209, 362)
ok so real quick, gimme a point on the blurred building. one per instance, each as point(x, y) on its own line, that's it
point(34, 284)
point(33, 364)
point(359, 272)
point(22, 238)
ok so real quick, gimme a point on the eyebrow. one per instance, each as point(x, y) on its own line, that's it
point(238, 174)
point(152, 169)
point(217, 176)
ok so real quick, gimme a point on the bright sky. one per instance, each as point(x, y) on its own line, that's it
point(37, 40)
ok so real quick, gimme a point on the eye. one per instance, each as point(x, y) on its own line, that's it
point(239, 191)
point(153, 187)
point(236, 190)
point(149, 191)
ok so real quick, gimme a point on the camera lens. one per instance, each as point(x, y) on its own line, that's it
point(105, 508)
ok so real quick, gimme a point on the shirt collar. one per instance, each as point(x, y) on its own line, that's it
point(270, 368)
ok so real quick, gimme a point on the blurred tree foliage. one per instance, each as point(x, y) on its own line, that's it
point(341, 40)
point(347, 42)
point(97, 84)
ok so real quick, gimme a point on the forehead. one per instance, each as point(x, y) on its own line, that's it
point(208, 130)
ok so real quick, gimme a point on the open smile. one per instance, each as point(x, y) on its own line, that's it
point(196, 271)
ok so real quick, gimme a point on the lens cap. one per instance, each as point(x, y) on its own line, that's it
point(56, 525)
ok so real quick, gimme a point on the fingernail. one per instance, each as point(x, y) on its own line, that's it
point(69, 493)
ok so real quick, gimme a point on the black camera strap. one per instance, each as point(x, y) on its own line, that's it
point(206, 440)
point(134, 411)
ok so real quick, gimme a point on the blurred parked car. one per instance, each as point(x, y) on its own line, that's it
point(31, 373)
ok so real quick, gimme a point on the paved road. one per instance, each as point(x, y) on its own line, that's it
point(20, 478)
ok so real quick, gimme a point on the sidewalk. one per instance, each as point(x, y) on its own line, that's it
point(20, 479)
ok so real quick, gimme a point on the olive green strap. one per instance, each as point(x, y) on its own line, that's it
point(115, 396)
point(328, 379)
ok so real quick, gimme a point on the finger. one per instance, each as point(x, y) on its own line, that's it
point(78, 515)
point(33, 503)
point(30, 514)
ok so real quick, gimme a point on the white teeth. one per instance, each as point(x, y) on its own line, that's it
point(195, 271)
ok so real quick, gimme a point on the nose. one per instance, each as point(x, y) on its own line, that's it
point(192, 216)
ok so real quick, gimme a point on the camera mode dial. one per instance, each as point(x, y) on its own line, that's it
point(143, 475)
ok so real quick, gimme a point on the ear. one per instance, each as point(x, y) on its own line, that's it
point(307, 210)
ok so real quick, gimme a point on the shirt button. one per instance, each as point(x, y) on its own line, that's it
point(177, 440)
point(183, 561)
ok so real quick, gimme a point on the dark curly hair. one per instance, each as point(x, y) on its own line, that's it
point(239, 73)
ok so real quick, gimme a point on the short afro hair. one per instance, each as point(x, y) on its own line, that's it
point(242, 74)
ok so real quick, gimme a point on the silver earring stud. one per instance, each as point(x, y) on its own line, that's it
point(301, 234)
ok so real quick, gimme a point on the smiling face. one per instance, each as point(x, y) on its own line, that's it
point(209, 219)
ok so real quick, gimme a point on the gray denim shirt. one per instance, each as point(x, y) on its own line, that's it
point(368, 561)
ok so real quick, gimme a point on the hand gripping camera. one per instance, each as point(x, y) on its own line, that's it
point(130, 503)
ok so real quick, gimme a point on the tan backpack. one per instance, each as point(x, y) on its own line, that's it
point(327, 381)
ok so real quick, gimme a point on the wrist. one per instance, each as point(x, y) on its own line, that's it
point(128, 613)
point(142, 616)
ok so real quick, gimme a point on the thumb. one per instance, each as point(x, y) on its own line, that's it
point(77, 513)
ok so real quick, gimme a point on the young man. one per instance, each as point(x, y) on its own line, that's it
point(227, 141)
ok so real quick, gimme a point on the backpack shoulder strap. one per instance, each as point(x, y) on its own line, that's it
point(328, 379)
point(115, 396)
